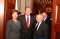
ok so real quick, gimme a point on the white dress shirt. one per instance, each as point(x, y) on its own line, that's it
point(38, 25)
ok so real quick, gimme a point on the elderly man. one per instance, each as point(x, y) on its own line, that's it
point(41, 30)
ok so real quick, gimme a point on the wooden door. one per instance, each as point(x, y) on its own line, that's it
point(56, 20)
point(1, 18)
point(9, 5)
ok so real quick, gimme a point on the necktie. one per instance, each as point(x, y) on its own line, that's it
point(36, 26)
point(27, 22)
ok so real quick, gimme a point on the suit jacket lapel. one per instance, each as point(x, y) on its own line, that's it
point(24, 21)
point(30, 21)
point(40, 26)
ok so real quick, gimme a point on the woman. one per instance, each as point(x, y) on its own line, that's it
point(13, 27)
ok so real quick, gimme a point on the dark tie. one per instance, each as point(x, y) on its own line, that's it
point(27, 22)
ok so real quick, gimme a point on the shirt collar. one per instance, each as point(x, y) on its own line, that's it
point(26, 16)
point(40, 23)
point(45, 18)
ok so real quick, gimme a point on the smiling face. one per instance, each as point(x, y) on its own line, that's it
point(28, 11)
point(14, 15)
point(39, 18)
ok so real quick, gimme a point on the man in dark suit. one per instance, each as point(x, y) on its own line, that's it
point(47, 20)
point(41, 30)
point(27, 24)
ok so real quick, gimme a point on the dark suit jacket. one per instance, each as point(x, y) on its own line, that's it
point(27, 33)
point(42, 31)
point(49, 22)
